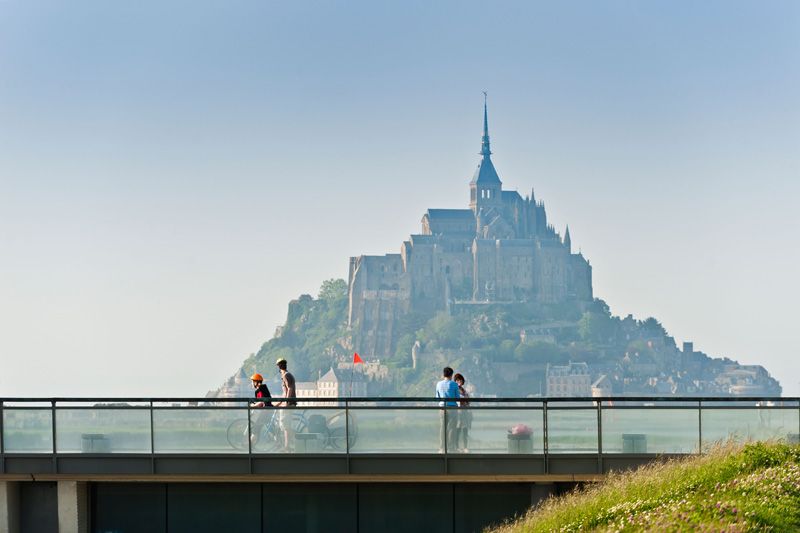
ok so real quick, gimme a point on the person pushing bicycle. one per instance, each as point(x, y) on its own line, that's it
point(262, 393)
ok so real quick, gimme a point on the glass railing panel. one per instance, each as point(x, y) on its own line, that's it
point(572, 430)
point(749, 423)
point(313, 430)
point(27, 430)
point(650, 430)
point(201, 430)
point(103, 430)
point(505, 430)
point(401, 430)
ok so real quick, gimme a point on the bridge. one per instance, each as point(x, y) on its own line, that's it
point(352, 464)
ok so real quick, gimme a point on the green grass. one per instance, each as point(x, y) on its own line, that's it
point(752, 487)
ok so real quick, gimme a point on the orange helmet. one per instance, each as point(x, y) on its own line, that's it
point(257, 377)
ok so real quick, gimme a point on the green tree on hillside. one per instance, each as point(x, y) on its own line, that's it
point(596, 327)
point(651, 324)
point(442, 331)
point(538, 352)
point(333, 289)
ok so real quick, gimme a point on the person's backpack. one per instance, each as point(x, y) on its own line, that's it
point(317, 424)
point(264, 393)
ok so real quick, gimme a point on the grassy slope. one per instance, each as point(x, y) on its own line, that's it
point(734, 488)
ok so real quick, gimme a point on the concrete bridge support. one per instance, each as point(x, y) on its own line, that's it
point(73, 507)
point(9, 507)
point(44, 508)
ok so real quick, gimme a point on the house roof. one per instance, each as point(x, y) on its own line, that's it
point(424, 239)
point(451, 214)
point(343, 376)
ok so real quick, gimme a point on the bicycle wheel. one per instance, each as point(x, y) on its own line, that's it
point(339, 439)
point(325, 436)
point(267, 439)
point(238, 434)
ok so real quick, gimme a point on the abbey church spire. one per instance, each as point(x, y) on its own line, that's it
point(485, 152)
point(485, 187)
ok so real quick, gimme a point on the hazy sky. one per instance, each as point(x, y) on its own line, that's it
point(173, 173)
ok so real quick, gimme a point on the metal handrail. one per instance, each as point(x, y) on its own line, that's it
point(403, 399)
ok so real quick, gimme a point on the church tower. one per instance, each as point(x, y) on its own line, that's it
point(485, 187)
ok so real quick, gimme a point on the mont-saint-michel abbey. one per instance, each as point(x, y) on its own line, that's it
point(500, 249)
point(493, 289)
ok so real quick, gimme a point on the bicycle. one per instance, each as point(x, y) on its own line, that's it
point(341, 437)
point(269, 435)
point(266, 436)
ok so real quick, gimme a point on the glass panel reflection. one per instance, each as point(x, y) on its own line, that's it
point(27, 431)
point(312, 431)
point(650, 430)
point(572, 430)
point(752, 423)
point(503, 430)
point(103, 430)
point(177, 430)
point(404, 430)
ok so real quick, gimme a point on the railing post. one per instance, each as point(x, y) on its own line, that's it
point(700, 427)
point(445, 432)
point(250, 440)
point(249, 432)
point(152, 441)
point(599, 436)
point(546, 438)
point(347, 427)
point(53, 429)
point(347, 434)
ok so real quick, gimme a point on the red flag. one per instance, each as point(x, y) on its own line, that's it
point(357, 359)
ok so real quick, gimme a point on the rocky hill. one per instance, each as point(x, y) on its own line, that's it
point(509, 350)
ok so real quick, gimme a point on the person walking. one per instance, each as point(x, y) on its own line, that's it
point(262, 391)
point(289, 391)
point(447, 388)
point(261, 394)
point(464, 415)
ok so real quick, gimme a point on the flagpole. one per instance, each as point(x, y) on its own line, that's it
point(352, 369)
point(350, 392)
point(356, 359)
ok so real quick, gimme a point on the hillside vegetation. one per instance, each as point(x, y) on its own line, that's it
point(754, 487)
point(485, 344)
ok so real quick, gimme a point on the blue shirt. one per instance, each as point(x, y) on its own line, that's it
point(447, 388)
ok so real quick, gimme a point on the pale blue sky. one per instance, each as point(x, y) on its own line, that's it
point(173, 173)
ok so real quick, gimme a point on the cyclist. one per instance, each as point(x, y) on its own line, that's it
point(289, 391)
point(262, 392)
